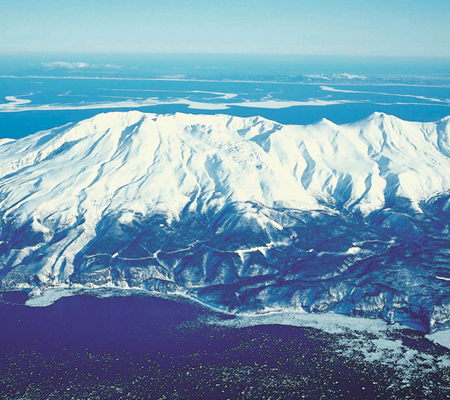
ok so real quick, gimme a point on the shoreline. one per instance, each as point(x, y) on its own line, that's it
point(327, 322)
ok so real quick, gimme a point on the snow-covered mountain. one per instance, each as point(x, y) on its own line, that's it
point(241, 213)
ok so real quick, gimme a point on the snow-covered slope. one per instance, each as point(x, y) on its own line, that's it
point(243, 213)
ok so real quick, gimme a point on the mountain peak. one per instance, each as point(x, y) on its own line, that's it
point(241, 158)
point(381, 116)
point(216, 206)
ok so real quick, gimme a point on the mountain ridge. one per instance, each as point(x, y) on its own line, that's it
point(242, 213)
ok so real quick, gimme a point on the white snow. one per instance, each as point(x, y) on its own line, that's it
point(14, 102)
point(441, 337)
point(328, 322)
point(277, 104)
point(353, 250)
point(48, 297)
point(221, 95)
point(21, 105)
point(369, 340)
point(5, 140)
point(136, 164)
point(337, 77)
point(432, 99)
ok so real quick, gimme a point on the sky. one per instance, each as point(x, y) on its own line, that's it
point(323, 27)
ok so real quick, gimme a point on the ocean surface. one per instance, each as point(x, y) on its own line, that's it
point(140, 347)
point(41, 92)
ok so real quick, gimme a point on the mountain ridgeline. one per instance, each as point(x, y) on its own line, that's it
point(243, 214)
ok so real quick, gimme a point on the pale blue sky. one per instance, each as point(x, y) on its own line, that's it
point(341, 27)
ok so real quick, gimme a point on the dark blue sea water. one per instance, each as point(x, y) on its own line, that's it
point(149, 348)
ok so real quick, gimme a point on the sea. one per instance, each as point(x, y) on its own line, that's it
point(44, 91)
point(144, 347)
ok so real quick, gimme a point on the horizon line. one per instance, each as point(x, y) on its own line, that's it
point(198, 53)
